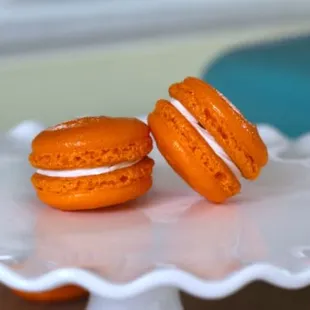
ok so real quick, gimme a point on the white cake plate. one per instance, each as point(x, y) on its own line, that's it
point(139, 255)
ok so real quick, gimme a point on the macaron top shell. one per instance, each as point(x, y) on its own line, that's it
point(238, 137)
point(90, 142)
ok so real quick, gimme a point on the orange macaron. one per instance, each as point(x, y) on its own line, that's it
point(61, 294)
point(92, 162)
point(206, 140)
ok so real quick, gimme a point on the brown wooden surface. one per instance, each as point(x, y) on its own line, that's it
point(255, 297)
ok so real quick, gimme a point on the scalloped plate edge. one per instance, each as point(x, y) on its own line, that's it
point(169, 277)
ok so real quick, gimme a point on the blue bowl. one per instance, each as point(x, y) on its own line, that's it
point(269, 83)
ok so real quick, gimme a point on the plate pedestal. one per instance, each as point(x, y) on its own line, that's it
point(158, 299)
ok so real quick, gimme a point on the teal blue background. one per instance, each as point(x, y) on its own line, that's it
point(269, 83)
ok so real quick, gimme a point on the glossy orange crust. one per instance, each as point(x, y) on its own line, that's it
point(65, 293)
point(231, 130)
point(97, 191)
point(189, 155)
point(90, 142)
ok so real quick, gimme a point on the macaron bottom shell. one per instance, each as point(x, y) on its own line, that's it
point(92, 192)
point(96, 198)
point(173, 134)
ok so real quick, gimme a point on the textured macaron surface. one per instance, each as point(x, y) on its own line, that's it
point(238, 137)
point(91, 142)
point(206, 139)
point(189, 155)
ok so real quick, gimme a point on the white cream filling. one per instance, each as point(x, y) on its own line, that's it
point(207, 137)
point(85, 172)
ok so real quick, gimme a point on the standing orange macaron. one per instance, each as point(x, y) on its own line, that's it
point(92, 162)
point(206, 140)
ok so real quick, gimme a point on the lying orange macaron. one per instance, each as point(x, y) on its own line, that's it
point(92, 162)
point(206, 140)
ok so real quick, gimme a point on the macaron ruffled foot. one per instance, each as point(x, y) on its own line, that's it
point(206, 140)
point(92, 162)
